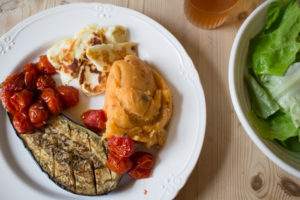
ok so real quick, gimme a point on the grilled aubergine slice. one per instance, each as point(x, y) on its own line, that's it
point(72, 156)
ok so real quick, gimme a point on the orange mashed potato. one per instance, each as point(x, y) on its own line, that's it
point(138, 102)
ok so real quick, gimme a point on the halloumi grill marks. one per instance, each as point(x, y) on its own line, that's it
point(71, 59)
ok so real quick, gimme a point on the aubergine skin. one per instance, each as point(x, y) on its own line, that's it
point(72, 156)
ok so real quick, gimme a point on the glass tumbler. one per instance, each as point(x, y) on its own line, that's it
point(208, 14)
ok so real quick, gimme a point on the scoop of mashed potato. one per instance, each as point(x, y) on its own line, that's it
point(138, 103)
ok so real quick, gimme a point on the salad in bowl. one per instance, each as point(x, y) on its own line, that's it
point(264, 81)
point(273, 80)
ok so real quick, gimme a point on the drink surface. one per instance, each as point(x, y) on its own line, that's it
point(213, 5)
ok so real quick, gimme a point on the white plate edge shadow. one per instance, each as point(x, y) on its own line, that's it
point(102, 11)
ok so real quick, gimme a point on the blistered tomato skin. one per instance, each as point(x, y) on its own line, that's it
point(122, 146)
point(52, 99)
point(69, 94)
point(143, 163)
point(138, 173)
point(22, 99)
point(30, 67)
point(14, 82)
point(5, 98)
point(38, 113)
point(22, 123)
point(45, 81)
point(118, 164)
point(30, 79)
point(94, 120)
point(44, 66)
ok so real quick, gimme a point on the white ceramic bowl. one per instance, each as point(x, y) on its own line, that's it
point(285, 159)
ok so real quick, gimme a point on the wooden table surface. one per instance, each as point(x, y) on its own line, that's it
point(230, 165)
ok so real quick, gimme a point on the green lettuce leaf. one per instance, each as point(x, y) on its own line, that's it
point(262, 104)
point(275, 14)
point(292, 144)
point(285, 90)
point(275, 48)
point(279, 126)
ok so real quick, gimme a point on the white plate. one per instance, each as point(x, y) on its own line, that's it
point(21, 177)
point(287, 160)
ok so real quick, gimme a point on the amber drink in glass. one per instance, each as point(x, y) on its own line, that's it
point(208, 14)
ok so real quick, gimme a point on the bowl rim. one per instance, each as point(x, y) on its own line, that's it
point(235, 101)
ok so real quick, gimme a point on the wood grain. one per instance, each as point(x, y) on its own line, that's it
point(230, 165)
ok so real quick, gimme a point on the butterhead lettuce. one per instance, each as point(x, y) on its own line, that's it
point(279, 126)
point(273, 81)
point(275, 48)
point(285, 90)
point(261, 102)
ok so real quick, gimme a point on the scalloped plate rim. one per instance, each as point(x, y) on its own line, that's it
point(202, 125)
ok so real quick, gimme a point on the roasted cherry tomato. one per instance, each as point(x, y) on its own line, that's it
point(138, 173)
point(69, 94)
point(122, 146)
point(38, 113)
point(30, 67)
point(22, 123)
point(5, 98)
point(118, 164)
point(44, 66)
point(143, 163)
point(45, 81)
point(38, 125)
point(22, 99)
point(94, 120)
point(14, 82)
point(51, 97)
point(30, 79)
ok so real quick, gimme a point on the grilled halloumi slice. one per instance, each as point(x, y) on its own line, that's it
point(94, 72)
point(86, 37)
point(115, 34)
point(91, 80)
point(104, 55)
point(90, 55)
point(62, 57)
point(67, 56)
